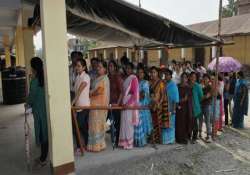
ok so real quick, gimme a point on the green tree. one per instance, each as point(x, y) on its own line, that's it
point(230, 9)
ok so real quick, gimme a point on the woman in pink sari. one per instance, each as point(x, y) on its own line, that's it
point(129, 118)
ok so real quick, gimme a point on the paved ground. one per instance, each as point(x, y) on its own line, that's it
point(230, 153)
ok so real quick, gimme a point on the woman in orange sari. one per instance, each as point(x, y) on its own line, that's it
point(97, 118)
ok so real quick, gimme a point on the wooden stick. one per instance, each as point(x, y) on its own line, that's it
point(111, 107)
point(224, 171)
point(78, 134)
point(74, 109)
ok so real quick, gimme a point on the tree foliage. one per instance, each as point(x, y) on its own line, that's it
point(230, 9)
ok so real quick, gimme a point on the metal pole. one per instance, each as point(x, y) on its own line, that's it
point(140, 3)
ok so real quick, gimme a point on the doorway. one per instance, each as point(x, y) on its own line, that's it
point(199, 55)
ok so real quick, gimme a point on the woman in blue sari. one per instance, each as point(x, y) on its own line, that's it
point(168, 133)
point(240, 102)
point(144, 129)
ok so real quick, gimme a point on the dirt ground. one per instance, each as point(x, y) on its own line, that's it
point(230, 154)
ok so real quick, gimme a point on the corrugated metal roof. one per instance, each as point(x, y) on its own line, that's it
point(230, 26)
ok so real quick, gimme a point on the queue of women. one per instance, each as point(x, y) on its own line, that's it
point(179, 98)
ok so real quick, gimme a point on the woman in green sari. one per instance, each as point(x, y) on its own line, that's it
point(36, 100)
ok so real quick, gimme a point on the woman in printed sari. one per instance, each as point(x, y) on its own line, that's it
point(184, 111)
point(240, 102)
point(97, 118)
point(129, 118)
point(143, 130)
point(168, 133)
point(159, 104)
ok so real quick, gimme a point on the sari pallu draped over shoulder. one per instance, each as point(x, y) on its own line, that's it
point(97, 118)
point(143, 130)
point(146, 115)
point(129, 118)
point(168, 133)
point(159, 110)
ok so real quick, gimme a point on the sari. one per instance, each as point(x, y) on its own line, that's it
point(97, 118)
point(240, 110)
point(184, 115)
point(221, 90)
point(129, 118)
point(168, 133)
point(159, 109)
point(143, 130)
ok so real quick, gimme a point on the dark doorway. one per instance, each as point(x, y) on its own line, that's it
point(164, 57)
point(199, 54)
point(145, 58)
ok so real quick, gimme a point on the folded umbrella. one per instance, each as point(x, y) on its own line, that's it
point(226, 64)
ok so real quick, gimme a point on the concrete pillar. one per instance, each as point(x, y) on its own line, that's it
point(116, 53)
point(183, 53)
point(28, 49)
point(160, 53)
point(214, 51)
point(7, 55)
point(105, 54)
point(54, 36)
point(141, 55)
point(28, 44)
point(128, 54)
point(95, 53)
point(19, 46)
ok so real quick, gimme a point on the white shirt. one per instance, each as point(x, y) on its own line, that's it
point(84, 96)
point(201, 70)
point(176, 77)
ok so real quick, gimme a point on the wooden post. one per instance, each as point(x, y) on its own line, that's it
point(78, 133)
point(217, 62)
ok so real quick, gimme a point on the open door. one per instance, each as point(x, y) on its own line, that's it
point(199, 54)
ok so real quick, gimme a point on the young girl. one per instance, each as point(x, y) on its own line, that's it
point(82, 85)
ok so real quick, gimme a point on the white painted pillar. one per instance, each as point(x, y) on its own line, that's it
point(28, 34)
point(141, 55)
point(128, 53)
point(183, 53)
point(96, 53)
point(214, 51)
point(160, 54)
point(105, 54)
point(116, 53)
point(57, 76)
